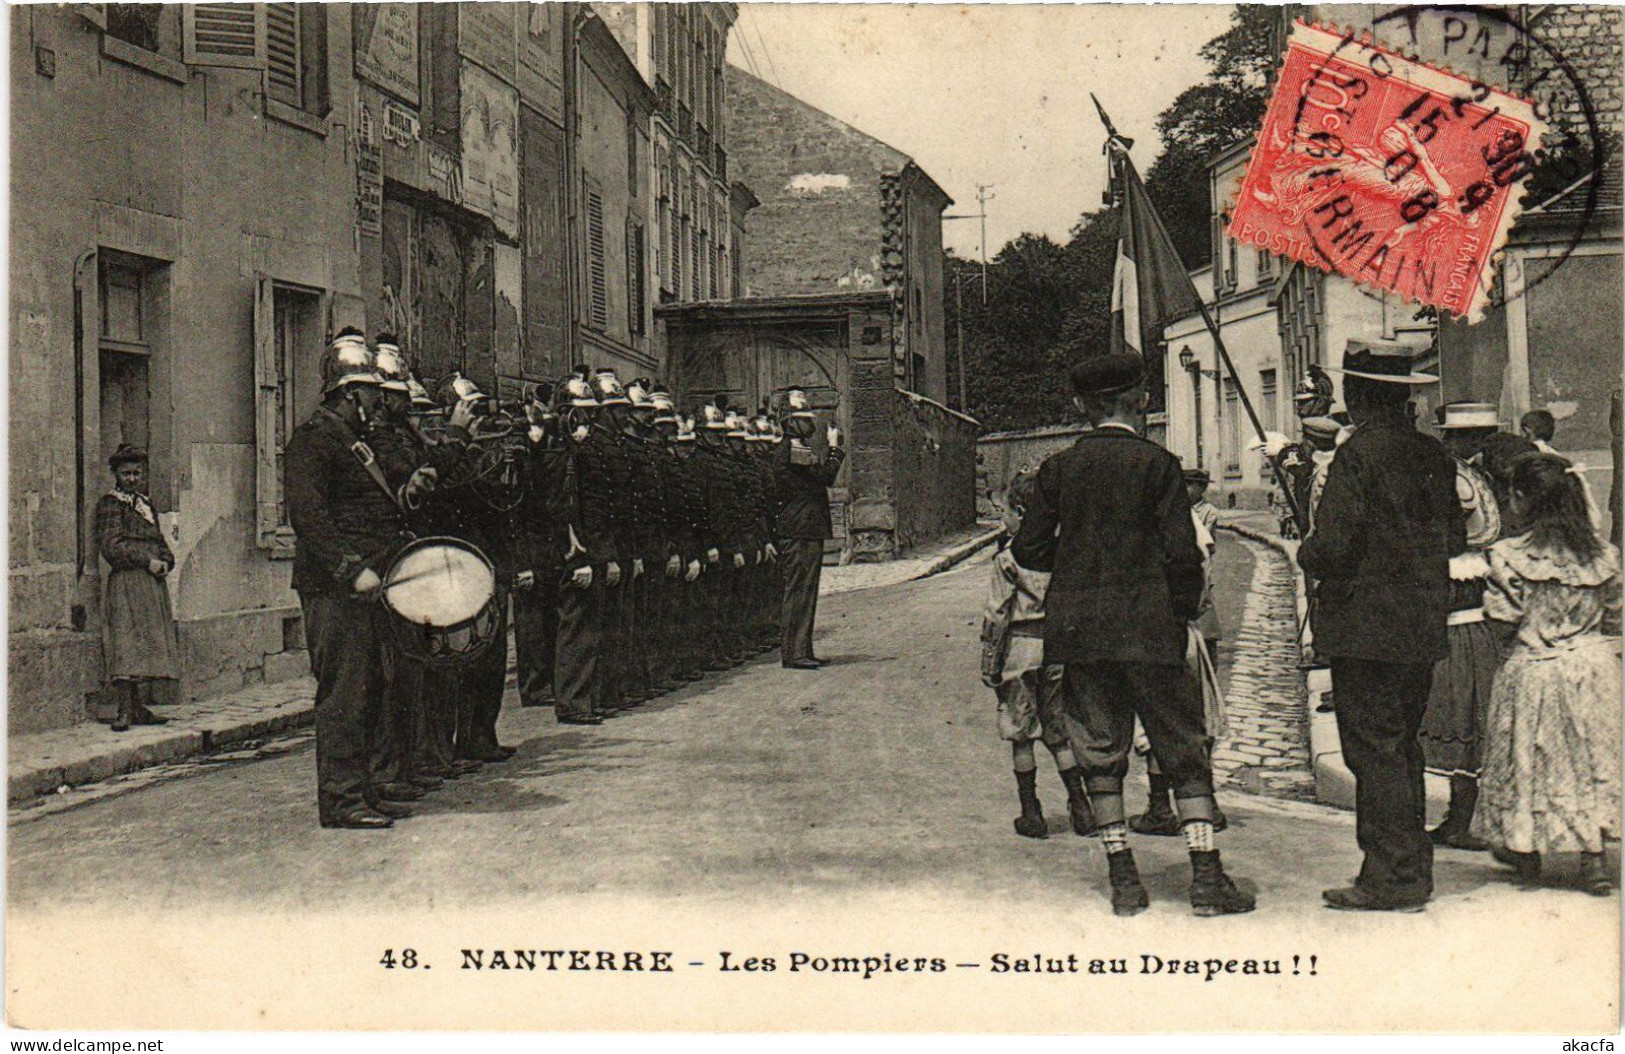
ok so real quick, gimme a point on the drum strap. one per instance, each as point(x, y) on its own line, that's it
point(369, 461)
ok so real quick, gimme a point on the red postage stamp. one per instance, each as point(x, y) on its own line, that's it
point(1390, 172)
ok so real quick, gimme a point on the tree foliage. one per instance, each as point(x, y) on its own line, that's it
point(1048, 304)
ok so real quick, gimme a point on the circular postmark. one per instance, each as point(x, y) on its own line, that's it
point(1493, 52)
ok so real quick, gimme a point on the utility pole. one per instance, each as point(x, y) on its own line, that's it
point(982, 198)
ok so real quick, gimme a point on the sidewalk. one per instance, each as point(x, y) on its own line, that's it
point(1334, 783)
point(48, 762)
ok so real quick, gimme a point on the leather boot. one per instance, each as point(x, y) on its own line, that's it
point(1526, 864)
point(1158, 818)
point(1030, 824)
point(1453, 830)
point(1128, 895)
point(1077, 803)
point(1212, 892)
point(126, 707)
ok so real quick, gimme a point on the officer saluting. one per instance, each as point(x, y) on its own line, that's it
point(807, 462)
point(349, 522)
point(1109, 518)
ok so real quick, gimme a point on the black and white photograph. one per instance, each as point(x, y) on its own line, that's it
point(701, 517)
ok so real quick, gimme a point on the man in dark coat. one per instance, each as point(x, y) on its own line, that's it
point(349, 522)
point(587, 505)
point(808, 460)
point(1109, 519)
point(542, 543)
point(1386, 526)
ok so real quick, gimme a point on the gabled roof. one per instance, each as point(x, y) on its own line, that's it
point(896, 160)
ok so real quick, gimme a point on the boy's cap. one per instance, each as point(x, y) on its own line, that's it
point(1108, 374)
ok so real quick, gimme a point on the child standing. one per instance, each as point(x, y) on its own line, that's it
point(1550, 781)
point(1029, 692)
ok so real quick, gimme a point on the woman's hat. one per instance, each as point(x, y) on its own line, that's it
point(1475, 416)
point(1381, 360)
point(126, 455)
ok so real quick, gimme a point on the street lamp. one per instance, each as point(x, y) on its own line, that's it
point(1187, 362)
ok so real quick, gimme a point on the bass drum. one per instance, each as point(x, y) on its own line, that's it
point(441, 597)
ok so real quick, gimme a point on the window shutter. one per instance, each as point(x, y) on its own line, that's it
point(95, 14)
point(225, 35)
point(637, 278)
point(597, 285)
point(267, 379)
point(283, 56)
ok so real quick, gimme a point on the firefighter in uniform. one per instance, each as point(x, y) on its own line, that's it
point(397, 744)
point(724, 553)
point(768, 587)
point(807, 463)
point(693, 512)
point(618, 501)
point(483, 520)
point(640, 616)
point(752, 533)
point(542, 540)
point(349, 522)
point(584, 505)
point(669, 631)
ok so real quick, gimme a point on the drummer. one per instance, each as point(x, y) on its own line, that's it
point(349, 522)
point(490, 527)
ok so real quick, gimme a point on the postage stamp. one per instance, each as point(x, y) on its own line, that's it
point(1393, 173)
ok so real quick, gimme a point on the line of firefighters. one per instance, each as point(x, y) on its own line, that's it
point(641, 548)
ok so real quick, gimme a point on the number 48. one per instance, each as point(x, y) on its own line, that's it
point(407, 961)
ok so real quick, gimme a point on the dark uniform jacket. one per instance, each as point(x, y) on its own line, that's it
point(602, 520)
point(545, 509)
point(723, 500)
point(1110, 519)
point(802, 476)
point(648, 494)
point(344, 521)
point(1387, 524)
point(689, 507)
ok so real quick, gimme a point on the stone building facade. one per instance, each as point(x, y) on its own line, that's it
point(841, 210)
point(202, 195)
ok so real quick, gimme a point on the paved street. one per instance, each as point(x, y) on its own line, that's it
point(770, 803)
point(882, 772)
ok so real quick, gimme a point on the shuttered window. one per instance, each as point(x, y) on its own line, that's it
point(225, 35)
point(282, 54)
point(597, 280)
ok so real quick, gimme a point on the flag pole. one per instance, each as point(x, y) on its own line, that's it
point(1120, 156)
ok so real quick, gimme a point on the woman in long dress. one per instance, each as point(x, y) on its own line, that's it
point(140, 640)
point(1550, 781)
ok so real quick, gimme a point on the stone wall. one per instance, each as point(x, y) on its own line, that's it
point(1000, 456)
point(935, 470)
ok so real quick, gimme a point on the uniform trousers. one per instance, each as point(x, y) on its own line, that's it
point(1380, 706)
point(402, 718)
point(612, 663)
point(535, 636)
point(437, 747)
point(344, 635)
point(801, 561)
point(1102, 700)
point(579, 647)
point(711, 602)
point(479, 701)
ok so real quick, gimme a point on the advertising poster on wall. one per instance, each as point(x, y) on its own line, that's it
point(490, 148)
point(386, 47)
